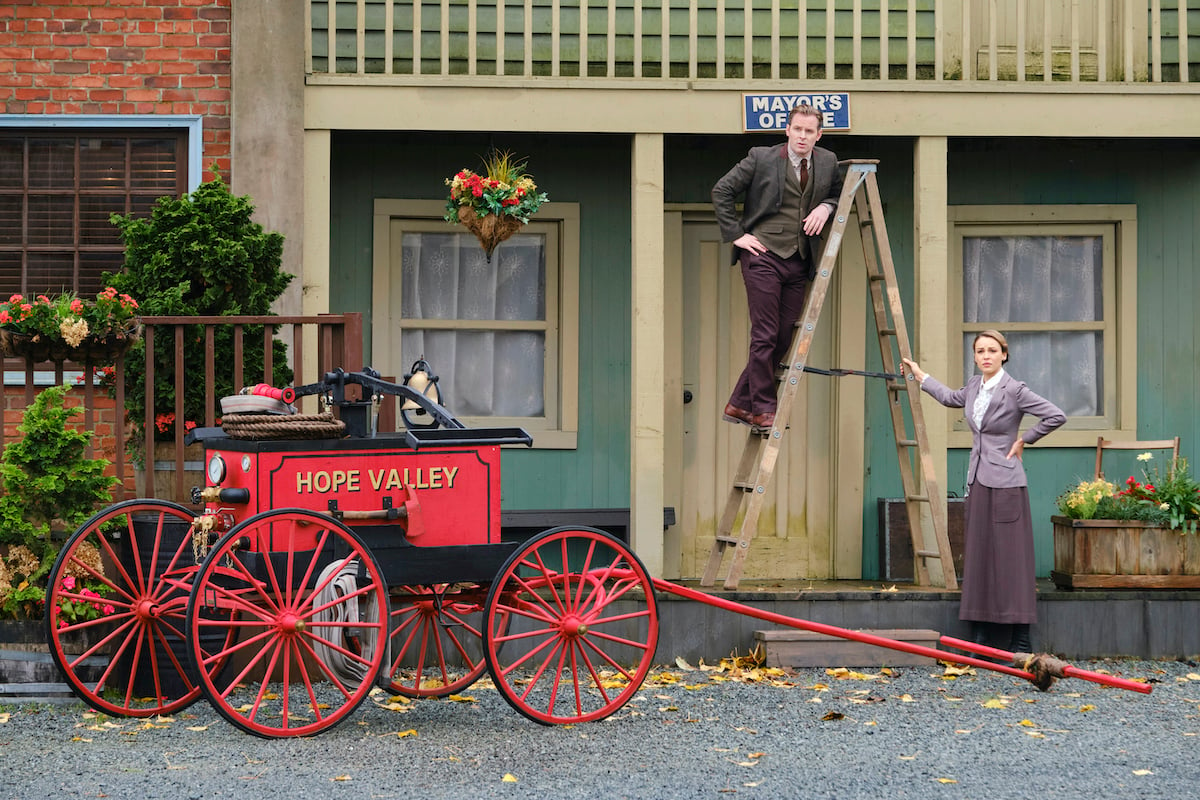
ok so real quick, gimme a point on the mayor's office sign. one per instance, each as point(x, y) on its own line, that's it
point(768, 112)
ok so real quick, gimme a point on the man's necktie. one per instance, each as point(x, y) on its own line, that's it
point(803, 173)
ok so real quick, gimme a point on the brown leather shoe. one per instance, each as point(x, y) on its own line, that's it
point(763, 420)
point(735, 414)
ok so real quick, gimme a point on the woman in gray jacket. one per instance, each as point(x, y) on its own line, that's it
point(998, 589)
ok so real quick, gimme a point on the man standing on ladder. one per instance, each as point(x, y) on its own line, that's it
point(790, 192)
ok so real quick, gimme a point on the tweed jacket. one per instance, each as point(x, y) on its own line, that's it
point(760, 177)
point(991, 441)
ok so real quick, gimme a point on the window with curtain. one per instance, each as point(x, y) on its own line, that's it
point(483, 325)
point(1052, 289)
point(57, 190)
point(502, 335)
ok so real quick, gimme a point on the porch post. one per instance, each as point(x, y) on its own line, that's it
point(931, 267)
point(647, 361)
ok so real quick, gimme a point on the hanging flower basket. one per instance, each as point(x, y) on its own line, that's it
point(68, 328)
point(37, 348)
point(493, 205)
point(491, 229)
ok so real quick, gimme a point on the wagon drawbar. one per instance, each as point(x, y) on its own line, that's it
point(331, 559)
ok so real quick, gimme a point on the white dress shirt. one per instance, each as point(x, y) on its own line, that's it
point(984, 398)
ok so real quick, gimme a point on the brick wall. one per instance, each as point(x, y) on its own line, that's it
point(120, 57)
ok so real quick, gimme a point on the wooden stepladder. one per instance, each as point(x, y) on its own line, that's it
point(924, 501)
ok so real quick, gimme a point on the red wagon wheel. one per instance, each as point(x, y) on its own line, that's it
point(115, 609)
point(437, 639)
point(305, 594)
point(572, 626)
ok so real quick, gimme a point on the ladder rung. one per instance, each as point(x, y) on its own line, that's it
point(745, 487)
point(896, 386)
point(728, 539)
point(919, 498)
point(887, 331)
point(877, 276)
point(907, 443)
point(928, 554)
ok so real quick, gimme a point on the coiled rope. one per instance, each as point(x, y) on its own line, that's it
point(274, 426)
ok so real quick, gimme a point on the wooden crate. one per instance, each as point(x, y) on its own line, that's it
point(1123, 554)
point(796, 648)
point(895, 542)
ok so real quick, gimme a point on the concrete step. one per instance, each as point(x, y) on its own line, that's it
point(797, 648)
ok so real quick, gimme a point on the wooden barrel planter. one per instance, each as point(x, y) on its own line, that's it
point(1123, 554)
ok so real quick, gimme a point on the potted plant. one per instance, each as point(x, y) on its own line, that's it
point(1146, 535)
point(493, 205)
point(199, 255)
point(68, 327)
point(49, 488)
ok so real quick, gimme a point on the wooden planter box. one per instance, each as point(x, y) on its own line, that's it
point(1121, 554)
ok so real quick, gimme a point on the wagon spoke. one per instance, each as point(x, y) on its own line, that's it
point(114, 594)
point(571, 629)
point(309, 623)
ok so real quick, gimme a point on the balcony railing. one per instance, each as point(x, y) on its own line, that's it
point(1031, 41)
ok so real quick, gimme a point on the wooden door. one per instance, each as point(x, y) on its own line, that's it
point(812, 523)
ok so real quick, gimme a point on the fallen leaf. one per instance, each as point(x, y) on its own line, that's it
point(403, 734)
point(4, 717)
point(509, 778)
point(682, 663)
point(891, 588)
point(946, 780)
point(907, 698)
point(994, 703)
point(79, 739)
point(1035, 734)
point(341, 778)
point(1193, 676)
point(462, 698)
point(907, 758)
point(198, 728)
point(831, 716)
point(1085, 709)
point(1142, 772)
point(1027, 723)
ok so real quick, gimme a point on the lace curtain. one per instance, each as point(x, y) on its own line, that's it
point(483, 371)
point(1051, 279)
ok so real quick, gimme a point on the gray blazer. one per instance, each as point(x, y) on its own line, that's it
point(1011, 401)
point(760, 176)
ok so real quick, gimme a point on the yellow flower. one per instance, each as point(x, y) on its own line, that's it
point(1145, 457)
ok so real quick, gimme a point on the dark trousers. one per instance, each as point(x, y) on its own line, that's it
point(775, 291)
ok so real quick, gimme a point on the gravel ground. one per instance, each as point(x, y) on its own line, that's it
point(687, 734)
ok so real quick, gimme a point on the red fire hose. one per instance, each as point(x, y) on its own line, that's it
point(1041, 669)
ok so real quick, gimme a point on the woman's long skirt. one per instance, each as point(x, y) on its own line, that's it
point(998, 567)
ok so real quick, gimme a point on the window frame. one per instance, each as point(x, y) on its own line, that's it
point(558, 428)
point(128, 125)
point(1117, 225)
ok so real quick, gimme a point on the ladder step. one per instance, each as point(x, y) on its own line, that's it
point(920, 498)
point(887, 331)
point(876, 276)
point(907, 443)
point(896, 386)
point(728, 539)
point(745, 487)
point(928, 554)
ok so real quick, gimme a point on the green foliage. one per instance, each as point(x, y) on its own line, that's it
point(45, 473)
point(1169, 499)
point(199, 255)
point(49, 484)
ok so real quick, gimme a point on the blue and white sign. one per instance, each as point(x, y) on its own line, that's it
point(768, 112)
